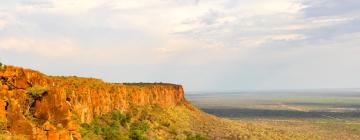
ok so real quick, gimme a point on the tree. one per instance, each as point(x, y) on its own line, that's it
point(2, 66)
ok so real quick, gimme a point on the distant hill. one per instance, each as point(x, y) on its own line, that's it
point(37, 106)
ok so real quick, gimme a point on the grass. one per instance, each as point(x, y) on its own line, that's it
point(311, 116)
point(145, 123)
point(111, 126)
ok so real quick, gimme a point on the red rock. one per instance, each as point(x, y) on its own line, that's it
point(84, 98)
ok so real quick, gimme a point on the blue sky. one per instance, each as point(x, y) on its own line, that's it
point(201, 44)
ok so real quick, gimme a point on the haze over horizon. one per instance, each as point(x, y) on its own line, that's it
point(201, 44)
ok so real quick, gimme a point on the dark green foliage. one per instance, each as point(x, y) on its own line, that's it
point(112, 126)
point(107, 131)
point(138, 130)
point(142, 125)
point(137, 135)
point(121, 118)
point(112, 132)
point(96, 127)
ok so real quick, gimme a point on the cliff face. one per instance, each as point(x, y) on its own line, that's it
point(38, 106)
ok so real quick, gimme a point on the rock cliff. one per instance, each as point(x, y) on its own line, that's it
point(38, 106)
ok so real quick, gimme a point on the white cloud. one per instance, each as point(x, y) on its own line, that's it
point(54, 49)
point(5, 19)
point(3, 24)
point(216, 35)
point(287, 37)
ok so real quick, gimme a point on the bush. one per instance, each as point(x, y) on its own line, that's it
point(37, 91)
point(142, 125)
point(96, 127)
point(112, 132)
point(137, 135)
point(119, 117)
point(107, 127)
point(137, 131)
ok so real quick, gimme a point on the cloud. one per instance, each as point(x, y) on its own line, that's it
point(55, 49)
point(245, 41)
point(3, 24)
point(288, 37)
point(5, 19)
point(330, 8)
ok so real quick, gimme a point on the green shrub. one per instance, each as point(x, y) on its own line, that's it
point(142, 125)
point(87, 133)
point(137, 135)
point(121, 118)
point(112, 132)
point(96, 126)
point(106, 126)
point(138, 130)
point(37, 91)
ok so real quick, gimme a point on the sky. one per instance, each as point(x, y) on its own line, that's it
point(202, 44)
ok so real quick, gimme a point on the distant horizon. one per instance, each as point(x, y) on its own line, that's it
point(205, 90)
point(277, 90)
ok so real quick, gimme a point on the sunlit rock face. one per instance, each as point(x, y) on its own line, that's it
point(38, 106)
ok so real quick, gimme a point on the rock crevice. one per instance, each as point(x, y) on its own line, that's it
point(51, 115)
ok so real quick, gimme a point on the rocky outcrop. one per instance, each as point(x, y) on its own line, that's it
point(65, 102)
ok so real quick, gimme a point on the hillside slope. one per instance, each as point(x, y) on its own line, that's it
point(37, 106)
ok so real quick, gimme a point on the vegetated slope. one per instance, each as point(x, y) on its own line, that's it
point(37, 106)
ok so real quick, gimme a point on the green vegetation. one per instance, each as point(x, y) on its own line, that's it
point(330, 116)
point(142, 123)
point(36, 92)
point(137, 131)
point(121, 118)
point(114, 126)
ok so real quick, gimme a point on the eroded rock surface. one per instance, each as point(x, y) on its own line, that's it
point(64, 102)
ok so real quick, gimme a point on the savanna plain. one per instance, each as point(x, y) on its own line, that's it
point(327, 114)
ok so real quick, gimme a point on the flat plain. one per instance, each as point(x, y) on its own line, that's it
point(317, 114)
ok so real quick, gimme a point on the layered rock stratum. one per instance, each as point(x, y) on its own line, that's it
point(40, 107)
point(66, 96)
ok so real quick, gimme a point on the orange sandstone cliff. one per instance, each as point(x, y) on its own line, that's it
point(35, 106)
point(51, 115)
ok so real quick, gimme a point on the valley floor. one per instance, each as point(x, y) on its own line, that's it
point(320, 129)
point(299, 115)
